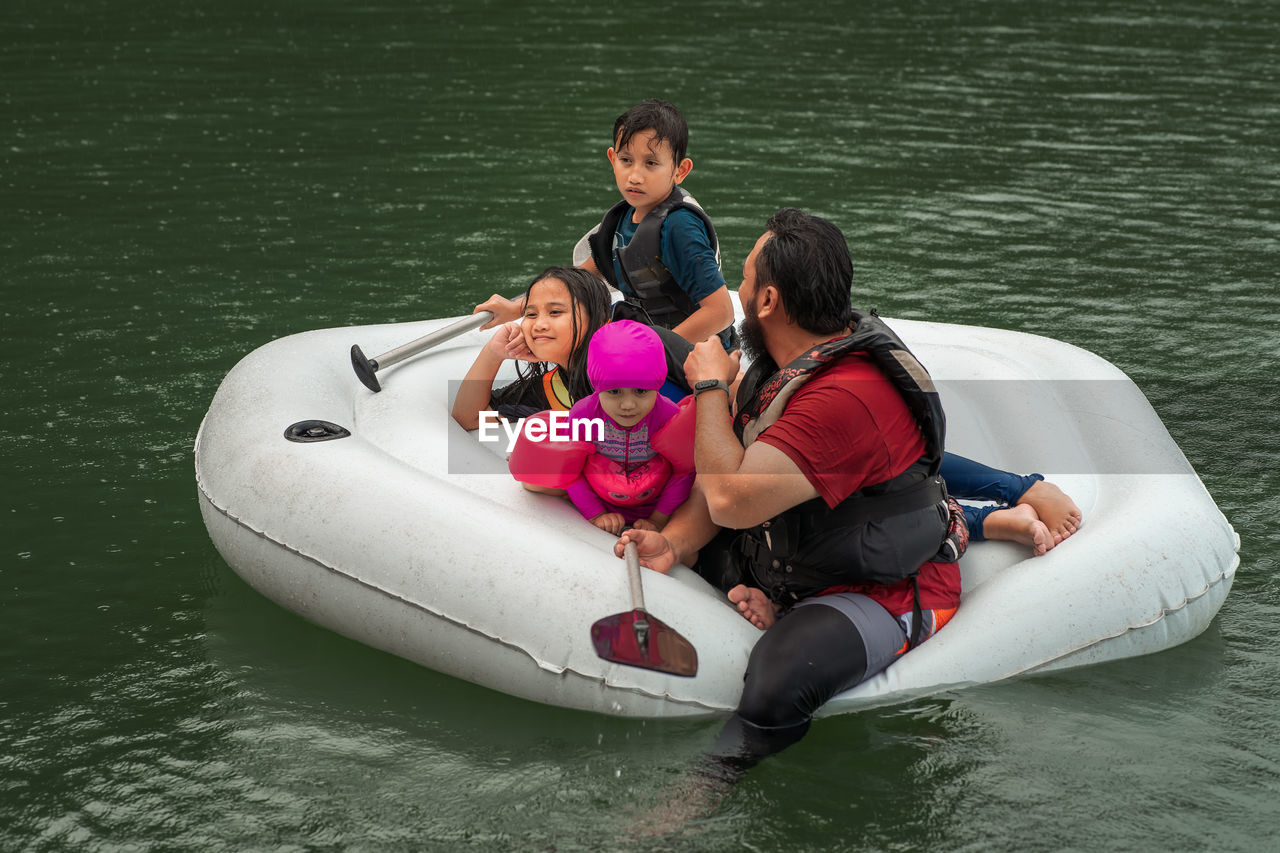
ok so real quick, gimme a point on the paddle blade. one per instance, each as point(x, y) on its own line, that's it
point(365, 368)
point(636, 638)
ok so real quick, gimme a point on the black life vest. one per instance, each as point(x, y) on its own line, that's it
point(649, 283)
point(881, 533)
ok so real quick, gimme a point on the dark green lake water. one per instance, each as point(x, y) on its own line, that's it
point(183, 182)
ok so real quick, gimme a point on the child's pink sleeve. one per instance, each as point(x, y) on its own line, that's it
point(585, 499)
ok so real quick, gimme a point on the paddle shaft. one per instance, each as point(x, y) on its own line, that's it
point(430, 339)
point(641, 625)
point(633, 575)
point(366, 368)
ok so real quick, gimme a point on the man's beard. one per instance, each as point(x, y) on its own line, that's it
point(751, 333)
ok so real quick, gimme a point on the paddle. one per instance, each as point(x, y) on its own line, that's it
point(637, 638)
point(366, 367)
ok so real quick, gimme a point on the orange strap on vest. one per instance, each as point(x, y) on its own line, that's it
point(554, 390)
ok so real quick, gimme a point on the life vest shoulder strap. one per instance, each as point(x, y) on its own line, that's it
point(650, 282)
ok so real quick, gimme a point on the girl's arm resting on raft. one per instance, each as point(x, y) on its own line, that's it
point(475, 391)
point(477, 385)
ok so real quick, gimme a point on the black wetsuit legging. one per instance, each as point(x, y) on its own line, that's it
point(806, 658)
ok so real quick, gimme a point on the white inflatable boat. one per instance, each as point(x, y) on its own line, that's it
point(376, 516)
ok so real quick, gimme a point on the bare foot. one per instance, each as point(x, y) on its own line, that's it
point(693, 800)
point(1019, 524)
point(1054, 507)
point(754, 605)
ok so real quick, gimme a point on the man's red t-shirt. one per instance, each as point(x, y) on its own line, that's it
point(848, 428)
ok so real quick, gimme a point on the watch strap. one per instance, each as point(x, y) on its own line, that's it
point(704, 385)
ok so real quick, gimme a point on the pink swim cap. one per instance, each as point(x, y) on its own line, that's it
point(626, 354)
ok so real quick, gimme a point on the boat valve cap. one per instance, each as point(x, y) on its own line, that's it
point(308, 431)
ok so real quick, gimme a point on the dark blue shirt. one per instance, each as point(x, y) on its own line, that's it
point(686, 251)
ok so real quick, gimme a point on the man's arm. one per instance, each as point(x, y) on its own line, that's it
point(687, 531)
point(765, 483)
point(740, 488)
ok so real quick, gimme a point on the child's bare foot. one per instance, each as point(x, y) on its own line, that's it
point(754, 605)
point(1054, 507)
point(1019, 524)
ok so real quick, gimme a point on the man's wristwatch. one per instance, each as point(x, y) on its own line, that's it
point(709, 385)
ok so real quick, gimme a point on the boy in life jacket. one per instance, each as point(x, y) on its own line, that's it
point(657, 245)
point(636, 466)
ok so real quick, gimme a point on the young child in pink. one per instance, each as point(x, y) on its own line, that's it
point(626, 480)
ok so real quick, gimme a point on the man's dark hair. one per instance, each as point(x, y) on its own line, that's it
point(664, 119)
point(808, 261)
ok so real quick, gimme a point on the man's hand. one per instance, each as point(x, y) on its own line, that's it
point(653, 549)
point(709, 361)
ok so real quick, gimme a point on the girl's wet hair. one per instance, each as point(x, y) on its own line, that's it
point(586, 292)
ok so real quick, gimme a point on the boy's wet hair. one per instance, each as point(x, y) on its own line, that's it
point(663, 118)
point(808, 261)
